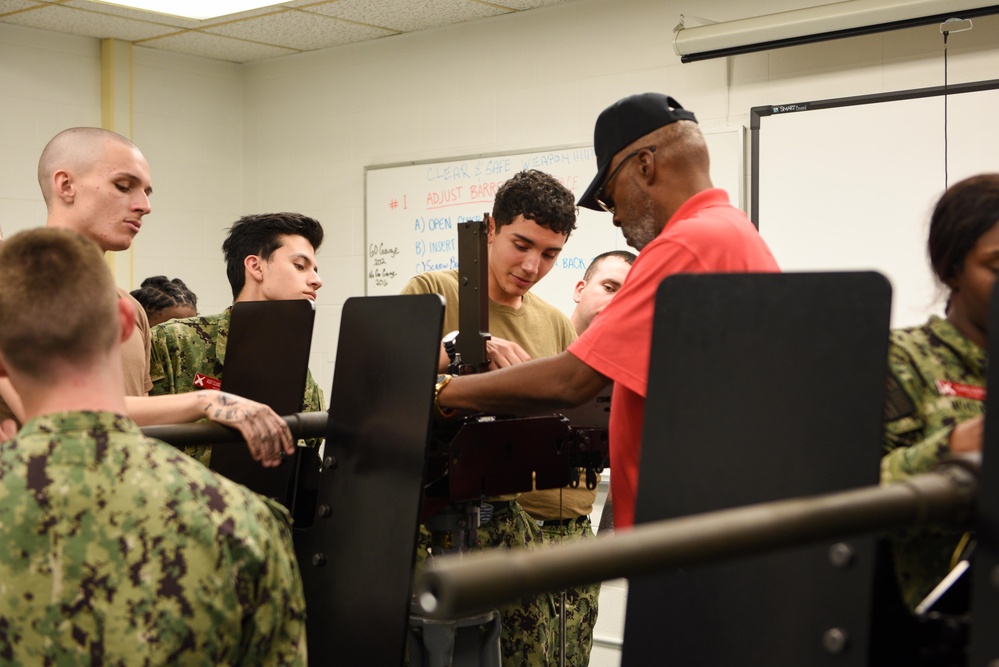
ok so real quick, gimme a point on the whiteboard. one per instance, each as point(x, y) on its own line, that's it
point(412, 209)
point(851, 184)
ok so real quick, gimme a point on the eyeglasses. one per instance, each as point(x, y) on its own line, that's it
point(606, 203)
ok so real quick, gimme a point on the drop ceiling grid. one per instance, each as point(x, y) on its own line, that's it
point(291, 27)
point(407, 16)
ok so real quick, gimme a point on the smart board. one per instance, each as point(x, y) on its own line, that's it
point(850, 183)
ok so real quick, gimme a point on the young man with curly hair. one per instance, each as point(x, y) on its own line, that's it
point(533, 216)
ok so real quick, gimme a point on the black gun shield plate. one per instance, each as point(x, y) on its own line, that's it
point(266, 360)
point(761, 387)
point(357, 562)
point(984, 591)
point(508, 456)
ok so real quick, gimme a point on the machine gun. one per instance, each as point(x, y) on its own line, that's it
point(481, 456)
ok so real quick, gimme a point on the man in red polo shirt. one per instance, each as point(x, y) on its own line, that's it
point(653, 177)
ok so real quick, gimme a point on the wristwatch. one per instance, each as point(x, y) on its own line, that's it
point(450, 342)
point(442, 381)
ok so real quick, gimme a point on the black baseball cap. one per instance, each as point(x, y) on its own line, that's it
point(622, 123)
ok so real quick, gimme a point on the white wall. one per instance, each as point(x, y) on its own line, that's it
point(295, 133)
point(49, 82)
point(187, 115)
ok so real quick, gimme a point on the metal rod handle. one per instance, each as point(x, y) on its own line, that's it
point(303, 425)
point(457, 586)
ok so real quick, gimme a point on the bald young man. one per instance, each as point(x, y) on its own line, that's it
point(97, 183)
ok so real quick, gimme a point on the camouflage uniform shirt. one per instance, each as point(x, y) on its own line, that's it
point(187, 347)
point(936, 379)
point(119, 550)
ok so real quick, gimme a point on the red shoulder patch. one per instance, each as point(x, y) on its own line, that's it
point(948, 388)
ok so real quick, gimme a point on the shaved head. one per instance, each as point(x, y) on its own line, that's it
point(76, 150)
point(97, 183)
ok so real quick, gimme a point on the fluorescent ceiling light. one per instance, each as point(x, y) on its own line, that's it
point(815, 24)
point(194, 9)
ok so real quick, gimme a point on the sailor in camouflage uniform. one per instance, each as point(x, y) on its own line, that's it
point(117, 548)
point(934, 401)
point(937, 380)
point(269, 257)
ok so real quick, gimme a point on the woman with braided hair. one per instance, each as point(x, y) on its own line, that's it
point(164, 299)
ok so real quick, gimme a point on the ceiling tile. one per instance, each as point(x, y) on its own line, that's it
point(124, 12)
point(90, 24)
point(249, 13)
point(521, 5)
point(15, 5)
point(214, 46)
point(405, 15)
point(298, 30)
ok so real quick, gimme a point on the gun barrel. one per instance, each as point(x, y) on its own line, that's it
point(453, 587)
point(303, 425)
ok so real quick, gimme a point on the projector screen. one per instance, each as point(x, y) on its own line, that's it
point(850, 183)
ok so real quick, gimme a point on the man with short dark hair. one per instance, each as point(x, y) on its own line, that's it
point(601, 281)
point(117, 548)
point(269, 257)
point(653, 178)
